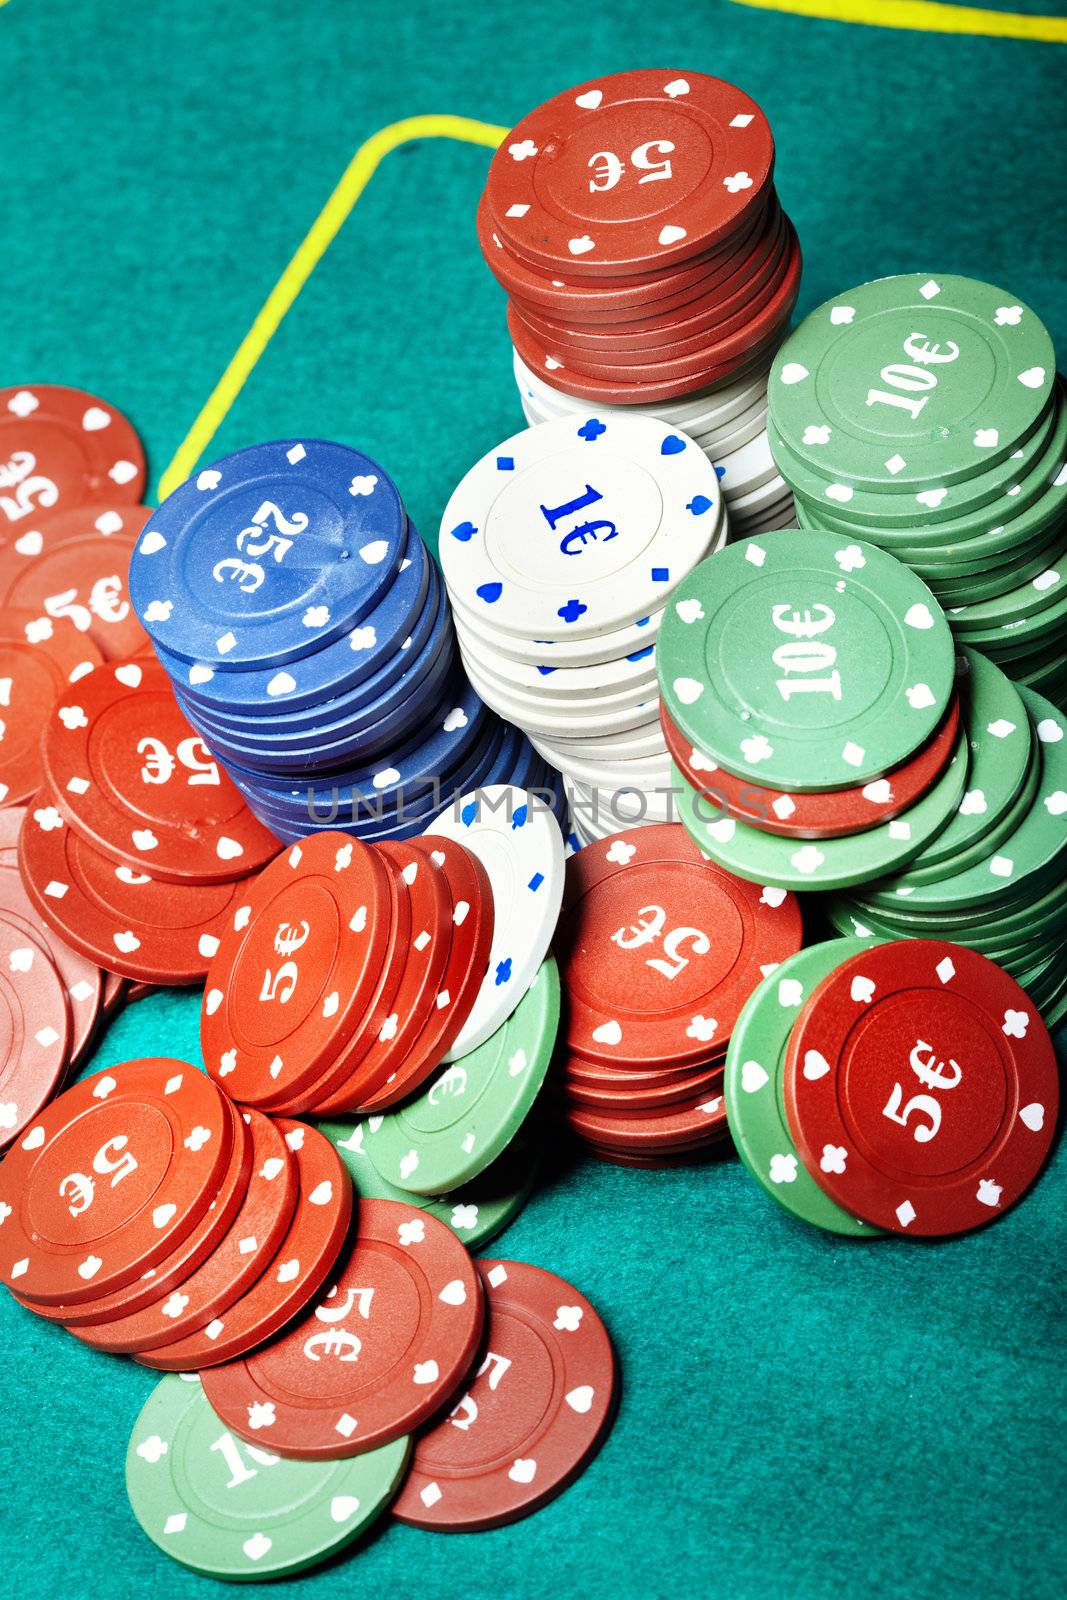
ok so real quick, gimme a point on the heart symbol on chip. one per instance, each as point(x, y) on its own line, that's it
point(426, 1372)
point(454, 1293)
point(34, 1139)
point(95, 419)
point(1045, 580)
point(671, 234)
point(375, 552)
point(589, 100)
point(581, 1399)
point(1033, 1116)
point(30, 544)
point(162, 1215)
point(581, 246)
point(1033, 377)
point(918, 616)
point(688, 690)
point(386, 778)
point(792, 373)
point(753, 1077)
point(342, 1507)
point(816, 1066)
point(129, 674)
point(609, 1033)
point(676, 87)
point(322, 1194)
point(879, 793)
point(331, 1003)
point(522, 1471)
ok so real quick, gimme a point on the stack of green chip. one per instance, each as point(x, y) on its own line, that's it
point(923, 414)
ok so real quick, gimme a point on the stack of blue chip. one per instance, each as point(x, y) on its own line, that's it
point(310, 643)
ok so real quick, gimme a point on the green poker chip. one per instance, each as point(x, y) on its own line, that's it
point(476, 1213)
point(911, 381)
point(1027, 861)
point(809, 664)
point(922, 871)
point(752, 1087)
point(1008, 588)
point(226, 1510)
point(783, 863)
point(1016, 631)
point(1000, 949)
point(469, 1112)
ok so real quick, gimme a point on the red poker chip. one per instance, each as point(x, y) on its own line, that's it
point(696, 1120)
point(831, 813)
point(82, 979)
point(181, 1262)
point(378, 1354)
point(660, 948)
point(306, 1255)
point(621, 1098)
point(658, 1162)
point(10, 823)
point(115, 988)
point(132, 776)
point(297, 968)
point(538, 1407)
point(34, 1028)
point(59, 448)
point(630, 173)
point(247, 1247)
point(598, 1075)
point(471, 919)
point(75, 565)
point(109, 1179)
point(921, 1087)
point(115, 915)
point(39, 659)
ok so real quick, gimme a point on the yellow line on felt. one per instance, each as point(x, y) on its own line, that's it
point(313, 247)
point(924, 16)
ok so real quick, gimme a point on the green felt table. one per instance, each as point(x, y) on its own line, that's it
point(801, 1416)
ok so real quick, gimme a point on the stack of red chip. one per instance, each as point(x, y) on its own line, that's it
point(344, 973)
point(151, 1218)
point(658, 950)
point(133, 849)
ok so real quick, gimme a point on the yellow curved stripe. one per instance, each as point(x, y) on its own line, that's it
point(924, 16)
point(313, 247)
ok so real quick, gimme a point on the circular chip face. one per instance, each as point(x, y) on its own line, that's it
point(378, 1354)
point(306, 1255)
point(76, 566)
point(910, 380)
point(60, 448)
point(231, 1512)
point(39, 659)
point(128, 923)
point(110, 1178)
point(921, 1087)
point(755, 1103)
point(535, 1412)
point(630, 173)
point(135, 779)
point(468, 1113)
point(807, 662)
point(659, 948)
point(245, 1250)
point(826, 815)
point(34, 1028)
point(301, 958)
point(579, 526)
point(81, 978)
point(268, 554)
point(518, 841)
point(476, 1212)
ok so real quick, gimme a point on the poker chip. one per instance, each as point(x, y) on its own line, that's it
point(304, 1259)
point(519, 843)
point(39, 659)
point(468, 1113)
point(75, 565)
point(212, 1504)
point(476, 1212)
point(921, 1087)
point(35, 1033)
point(832, 687)
point(406, 1311)
point(162, 1134)
point(62, 448)
point(82, 979)
point(538, 1407)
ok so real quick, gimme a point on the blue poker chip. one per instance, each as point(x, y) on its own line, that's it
point(268, 554)
point(362, 656)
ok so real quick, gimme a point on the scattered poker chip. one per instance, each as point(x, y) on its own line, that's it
point(247, 1247)
point(636, 500)
point(476, 1212)
point(921, 1088)
point(159, 1131)
point(82, 979)
point(304, 1259)
point(75, 565)
point(134, 778)
point(753, 1086)
point(834, 685)
point(122, 919)
point(539, 1405)
point(402, 1320)
point(62, 448)
point(229, 1512)
point(519, 843)
point(297, 967)
point(659, 948)
point(35, 1040)
point(468, 1113)
point(39, 659)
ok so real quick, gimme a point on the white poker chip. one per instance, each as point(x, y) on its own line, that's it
point(594, 718)
point(744, 470)
point(521, 847)
point(697, 413)
point(635, 671)
point(570, 652)
point(579, 526)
